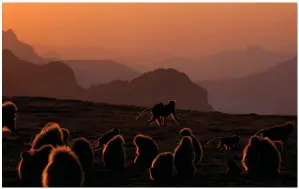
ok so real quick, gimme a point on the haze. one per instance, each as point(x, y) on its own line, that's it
point(190, 30)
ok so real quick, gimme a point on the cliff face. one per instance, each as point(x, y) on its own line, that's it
point(160, 85)
point(55, 79)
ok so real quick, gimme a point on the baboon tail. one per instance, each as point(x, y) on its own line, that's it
point(95, 144)
point(142, 113)
point(208, 142)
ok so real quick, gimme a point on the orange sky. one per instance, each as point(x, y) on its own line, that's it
point(188, 29)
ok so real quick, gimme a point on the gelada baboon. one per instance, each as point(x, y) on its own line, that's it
point(278, 133)
point(83, 149)
point(196, 144)
point(162, 168)
point(233, 170)
point(63, 170)
point(269, 158)
point(65, 131)
point(32, 164)
point(51, 134)
point(146, 151)
point(184, 158)
point(9, 111)
point(227, 142)
point(98, 144)
point(250, 155)
point(114, 154)
point(160, 111)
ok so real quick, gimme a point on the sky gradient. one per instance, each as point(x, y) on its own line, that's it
point(182, 29)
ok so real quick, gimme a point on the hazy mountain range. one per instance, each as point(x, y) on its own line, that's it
point(87, 72)
point(273, 91)
point(57, 79)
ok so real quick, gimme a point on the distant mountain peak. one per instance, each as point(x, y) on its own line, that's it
point(9, 34)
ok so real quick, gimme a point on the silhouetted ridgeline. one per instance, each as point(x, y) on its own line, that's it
point(56, 79)
point(226, 64)
point(152, 87)
point(22, 50)
point(90, 72)
point(87, 72)
point(273, 91)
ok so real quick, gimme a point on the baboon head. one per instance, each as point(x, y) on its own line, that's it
point(172, 103)
point(116, 131)
point(236, 138)
point(185, 132)
point(290, 126)
point(186, 141)
point(119, 139)
point(254, 140)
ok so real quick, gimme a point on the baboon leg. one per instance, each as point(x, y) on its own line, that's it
point(173, 115)
point(159, 121)
point(220, 145)
point(152, 120)
point(163, 121)
point(284, 146)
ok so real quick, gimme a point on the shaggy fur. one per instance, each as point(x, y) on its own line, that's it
point(184, 158)
point(83, 149)
point(196, 144)
point(162, 168)
point(114, 155)
point(63, 170)
point(146, 151)
point(250, 155)
point(52, 135)
point(9, 111)
point(32, 164)
point(268, 159)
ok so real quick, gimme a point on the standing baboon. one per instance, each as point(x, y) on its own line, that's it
point(114, 154)
point(160, 111)
point(146, 151)
point(227, 142)
point(184, 158)
point(9, 111)
point(279, 133)
point(196, 144)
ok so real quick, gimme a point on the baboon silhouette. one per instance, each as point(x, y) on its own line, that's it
point(146, 151)
point(184, 158)
point(227, 142)
point(278, 133)
point(114, 154)
point(268, 158)
point(51, 134)
point(233, 170)
point(160, 111)
point(63, 170)
point(83, 149)
point(98, 144)
point(9, 112)
point(250, 155)
point(162, 168)
point(196, 144)
point(32, 164)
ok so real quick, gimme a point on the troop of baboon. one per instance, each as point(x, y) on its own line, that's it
point(54, 161)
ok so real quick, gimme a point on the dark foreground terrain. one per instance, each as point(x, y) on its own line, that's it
point(90, 120)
